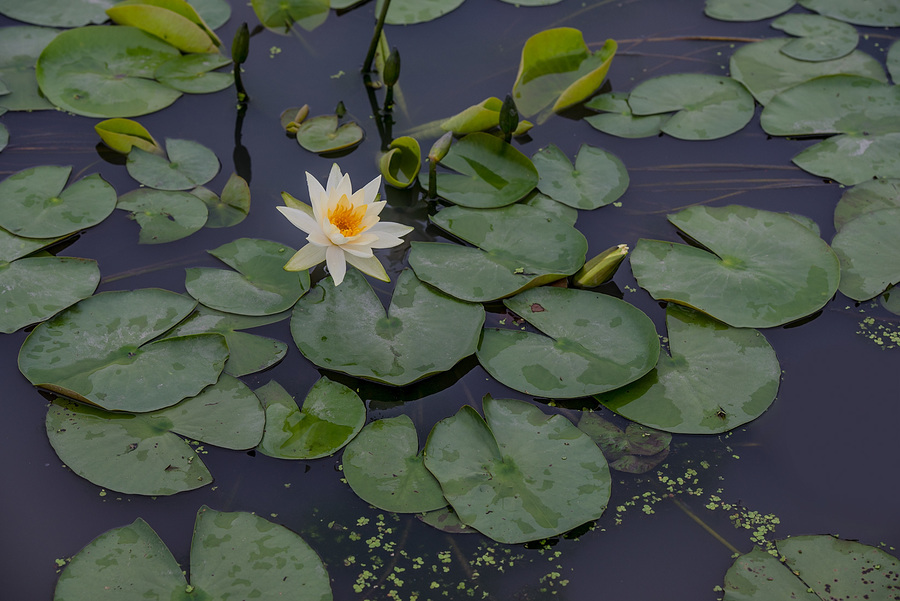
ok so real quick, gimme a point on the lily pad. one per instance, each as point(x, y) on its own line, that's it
point(636, 450)
point(762, 269)
point(174, 21)
point(229, 209)
point(258, 286)
point(708, 106)
point(866, 197)
point(834, 104)
point(746, 10)
point(853, 159)
point(4, 135)
point(323, 134)
point(766, 71)
point(247, 353)
point(869, 250)
point(121, 135)
point(713, 379)
point(215, 13)
point(142, 454)
point(281, 15)
point(331, 416)
point(132, 561)
point(36, 205)
point(384, 467)
point(101, 351)
point(555, 209)
point(588, 343)
point(616, 118)
point(105, 72)
point(345, 328)
point(821, 38)
point(558, 70)
point(400, 165)
point(407, 12)
point(57, 13)
point(13, 247)
point(489, 173)
point(445, 520)
point(874, 13)
point(892, 60)
point(164, 215)
point(189, 164)
point(19, 50)
point(519, 247)
point(195, 74)
point(517, 475)
point(597, 179)
point(890, 300)
point(36, 288)
point(814, 567)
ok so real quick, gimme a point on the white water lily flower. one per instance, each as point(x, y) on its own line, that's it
point(342, 227)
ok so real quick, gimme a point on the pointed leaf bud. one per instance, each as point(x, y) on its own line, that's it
point(601, 268)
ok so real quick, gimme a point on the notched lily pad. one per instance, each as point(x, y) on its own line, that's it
point(195, 73)
point(746, 10)
point(616, 118)
point(635, 450)
point(325, 133)
point(20, 47)
point(597, 179)
point(164, 215)
point(229, 209)
point(281, 15)
point(866, 197)
point(821, 38)
point(874, 13)
point(408, 12)
point(853, 159)
point(57, 13)
point(188, 164)
point(869, 250)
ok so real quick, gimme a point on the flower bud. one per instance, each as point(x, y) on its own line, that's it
point(240, 46)
point(440, 148)
point(601, 268)
point(392, 68)
point(509, 116)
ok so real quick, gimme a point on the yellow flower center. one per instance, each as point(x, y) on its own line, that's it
point(347, 218)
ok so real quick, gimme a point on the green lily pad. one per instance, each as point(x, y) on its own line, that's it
point(259, 286)
point(13, 247)
point(164, 215)
point(616, 118)
point(636, 450)
point(331, 416)
point(121, 135)
point(588, 343)
point(890, 300)
point(814, 567)
point(762, 269)
point(229, 209)
point(400, 165)
point(597, 179)
point(558, 70)
point(189, 164)
point(708, 106)
point(821, 38)
point(4, 135)
point(834, 104)
point(281, 15)
point(713, 379)
point(407, 12)
point(247, 353)
point(853, 159)
point(519, 247)
point(105, 72)
point(37, 288)
point(214, 13)
point(57, 13)
point(260, 560)
point(36, 205)
point(866, 197)
point(869, 250)
point(142, 454)
point(892, 60)
point(384, 467)
point(874, 13)
point(746, 10)
point(101, 351)
point(195, 74)
point(174, 21)
point(489, 173)
point(322, 134)
point(345, 328)
point(517, 475)
point(445, 520)
point(481, 117)
point(557, 210)
point(19, 50)
point(766, 71)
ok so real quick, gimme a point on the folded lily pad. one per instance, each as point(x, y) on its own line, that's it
point(259, 286)
point(589, 343)
point(869, 250)
point(489, 173)
point(19, 50)
point(481, 117)
point(36, 288)
point(636, 450)
point(281, 15)
point(384, 467)
point(519, 247)
point(272, 562)
point(57, 13)
point(762, 269)
point(175, 21)
point(195, 73)
point(706, 107)
point(142, 454)
point(229, 209)
point(517, 475)
point(597, 179)
point(866, 197)
point(121, 135)
point(400, 165)
point(821, 38)
point(766, 71)
point(617, 119)
point(874, 13)
point(713, 379)
point(101, 351)
point(13, 247)
point(189, 164)
point(105, 72)
point(324, 134)
point(853, 159)
point(36, 205)
point(746, 10)
point(407, 12)
point(164, 215)
point(345, 328)
point(330, 417)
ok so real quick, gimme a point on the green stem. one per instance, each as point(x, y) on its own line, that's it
point(705, 526)
point(373, 45)
point(432, 179)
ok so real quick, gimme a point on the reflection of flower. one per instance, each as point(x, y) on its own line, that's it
point(343, 227)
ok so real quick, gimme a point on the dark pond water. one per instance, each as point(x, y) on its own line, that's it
point(822, 459)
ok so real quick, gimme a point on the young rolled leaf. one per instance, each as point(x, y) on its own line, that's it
point(121, 135)
point(400, 165)
point(174, 21)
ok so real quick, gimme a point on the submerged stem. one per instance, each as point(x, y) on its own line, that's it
point(705, 526)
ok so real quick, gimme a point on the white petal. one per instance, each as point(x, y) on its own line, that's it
point(308, 256)
point(357, 250)
point(317, 195)
point(343, 188)
point(334, 176)
point(362, 239)
point(374, 208)
point(337, 264)
point(386, 242)
point(370, 190)
point(370, 266)
point(390, 228)
point(319, 239)
point(300, 219)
